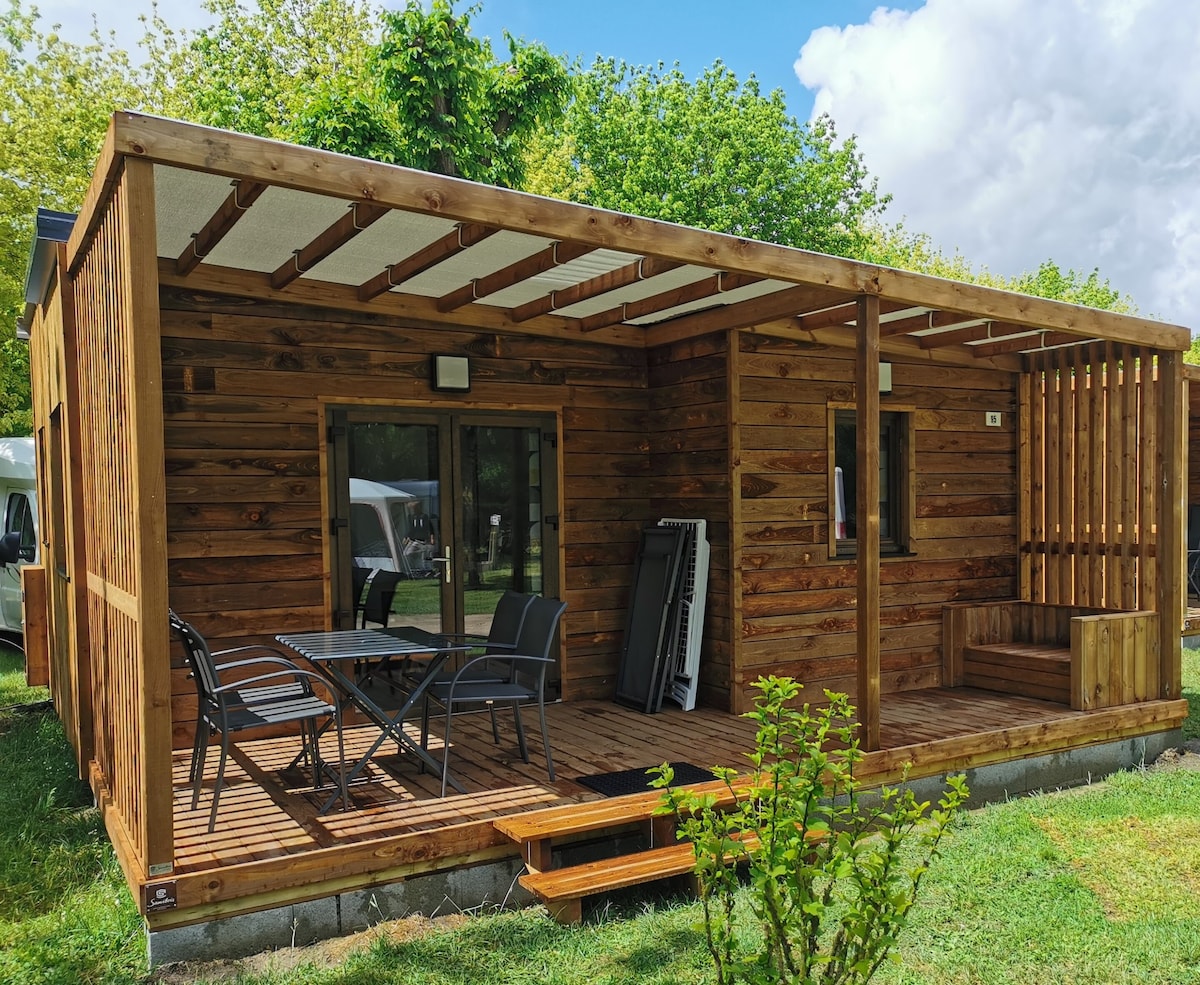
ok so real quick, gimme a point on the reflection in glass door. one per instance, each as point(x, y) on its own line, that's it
point(502, 499)
point(459, 507)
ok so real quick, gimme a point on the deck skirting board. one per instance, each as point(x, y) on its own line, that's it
point(493, 885)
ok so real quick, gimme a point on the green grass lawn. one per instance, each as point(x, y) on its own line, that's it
point(1094, 885)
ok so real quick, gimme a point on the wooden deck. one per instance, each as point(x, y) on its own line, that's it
point(271, 847)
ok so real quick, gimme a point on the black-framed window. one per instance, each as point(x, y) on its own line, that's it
point(895, 469)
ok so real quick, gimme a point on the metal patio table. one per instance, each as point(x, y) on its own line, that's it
point(379, 649)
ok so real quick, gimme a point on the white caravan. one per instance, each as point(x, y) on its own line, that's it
point(377, 525)
point(19, 542)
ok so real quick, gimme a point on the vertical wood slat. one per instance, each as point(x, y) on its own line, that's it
point(1025, 473)
point(1052, 478)
point(867, 437)
point(1068, 538)
point(1114, 438)
point(1095, 489)
point(139, 255)
point(733, 388)
point(1085, 554)
point(1129, 477)
point(1037, 498)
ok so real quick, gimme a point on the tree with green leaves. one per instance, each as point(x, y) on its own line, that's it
point(56, 98)
point(257, 69)
point(714, 153)
point(453, 108)
point(894, 246)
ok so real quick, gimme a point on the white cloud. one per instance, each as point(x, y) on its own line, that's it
point(1024, 130)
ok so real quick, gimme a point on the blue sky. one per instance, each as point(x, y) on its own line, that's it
point(764, 41)
point(1012, 131)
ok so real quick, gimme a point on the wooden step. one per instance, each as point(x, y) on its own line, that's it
point(563, 890)
point(534, 830)
point(1032, 670)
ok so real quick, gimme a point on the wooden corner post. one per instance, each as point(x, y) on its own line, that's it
point(1171, 553)
point(867, 519)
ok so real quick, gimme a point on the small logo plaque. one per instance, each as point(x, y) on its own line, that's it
point(160, 896)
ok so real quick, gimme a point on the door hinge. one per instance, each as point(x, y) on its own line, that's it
point(337, 523)
point(551, 520)
point(335, 431)
point(551, 437)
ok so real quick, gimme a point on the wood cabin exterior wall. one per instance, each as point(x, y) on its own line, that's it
point(245, 392)
point(797, 602)
point(689, 442)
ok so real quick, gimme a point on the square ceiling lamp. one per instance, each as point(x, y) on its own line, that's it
point(451, 374)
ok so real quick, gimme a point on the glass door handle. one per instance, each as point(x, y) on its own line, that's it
point(445, 562)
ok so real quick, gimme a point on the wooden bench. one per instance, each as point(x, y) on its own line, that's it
point(1032, 670)
point(1084, 657)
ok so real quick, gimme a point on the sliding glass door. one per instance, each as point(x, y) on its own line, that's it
point(461, 506)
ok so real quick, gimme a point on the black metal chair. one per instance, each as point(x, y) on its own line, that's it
point(252, 702)
point(381, 591)
point(501, 638)
point(531, 657)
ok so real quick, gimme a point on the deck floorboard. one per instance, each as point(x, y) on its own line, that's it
point(265, 813)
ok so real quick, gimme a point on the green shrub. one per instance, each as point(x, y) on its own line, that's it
point(831, 877)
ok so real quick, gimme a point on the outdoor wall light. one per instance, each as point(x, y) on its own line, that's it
point(451, 373)
point(885, 377)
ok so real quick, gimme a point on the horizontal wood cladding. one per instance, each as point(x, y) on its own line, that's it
point(798, 603)
point(243, 429)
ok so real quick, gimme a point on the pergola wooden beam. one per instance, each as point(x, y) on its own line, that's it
point(462, 237)
point(956, 336)
point(360, 217)
point(917, 323)
point(1025, 343)
point(554, 255)
point(769, 307)
point(631, 273)
point(844, 314)
point(686, 294)
point(244, 194)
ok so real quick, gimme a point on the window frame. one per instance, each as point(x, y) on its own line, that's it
point(901, 481)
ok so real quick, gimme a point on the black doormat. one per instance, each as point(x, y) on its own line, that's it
point(638, 780)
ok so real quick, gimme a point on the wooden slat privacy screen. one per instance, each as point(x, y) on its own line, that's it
point(1095, 468)
point(116, 383)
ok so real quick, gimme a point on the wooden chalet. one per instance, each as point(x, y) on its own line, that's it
point(1001, 581)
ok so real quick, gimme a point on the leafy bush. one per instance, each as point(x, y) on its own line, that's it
point(831, 875)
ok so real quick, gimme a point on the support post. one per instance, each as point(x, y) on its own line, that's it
point(1172, 597)
point(867, 520)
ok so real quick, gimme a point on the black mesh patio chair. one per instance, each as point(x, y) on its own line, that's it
point(381, 590)
point(523, 683)
point(501, 638)
point(281, 693)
